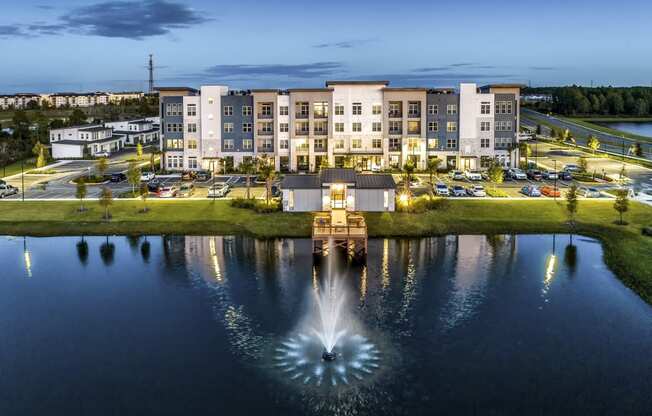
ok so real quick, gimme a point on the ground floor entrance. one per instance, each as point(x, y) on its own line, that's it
point(338, 196)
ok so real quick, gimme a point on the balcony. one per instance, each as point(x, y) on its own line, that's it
point(321, 148)
point(413, 114)
point(301, 114)
point(321, 132)
point(265, 132)
point(267, 116)
point(395, 131)
point(395, 148)
point(320, 114)
point(395, 114)
point(301, 132)
point(265, 148)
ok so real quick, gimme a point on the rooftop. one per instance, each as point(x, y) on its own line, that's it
point(176, 89)
point(95, 128)
point(360, 82)
point(339, 175)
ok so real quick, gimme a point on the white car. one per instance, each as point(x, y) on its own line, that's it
point(473, 175)
point(458, 190)
point(218, 190)
point(588, 192)
point(517, 174)
point(168, 192)
point(456, 175)
point(550, 175)
point(476, 190)
point(441, 189)
point(572, 168)
point(7, 190)
point(147, 176)
point(102, 154)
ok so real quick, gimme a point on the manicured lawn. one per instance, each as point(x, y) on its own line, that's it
point(627, 252)
point(14, 168)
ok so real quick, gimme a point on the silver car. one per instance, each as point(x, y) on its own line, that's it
point(7, 190)
point(588, 192)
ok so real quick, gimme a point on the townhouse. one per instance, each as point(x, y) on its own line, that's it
point(78, 142)
point(137, 131)
point(368, 125)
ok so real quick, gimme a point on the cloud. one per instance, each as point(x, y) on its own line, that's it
point(346, 44)
point(44, 7)
point(543, 68)
point(426, 79)
point(451, 67)
point(114, 19)
point(308, 70)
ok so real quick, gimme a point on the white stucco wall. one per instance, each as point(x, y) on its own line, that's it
point(305, 200)
point(67, 151)
point(374, 200)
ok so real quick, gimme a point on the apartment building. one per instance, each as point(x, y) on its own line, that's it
point(19, 100)
point(368, 125)
point(137, 131)
point(70, 99)
point(77, 142)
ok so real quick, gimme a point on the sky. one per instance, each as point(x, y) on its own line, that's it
point(67, 45)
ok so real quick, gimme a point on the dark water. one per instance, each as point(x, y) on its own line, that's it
point(189, 325)
point(642, 129)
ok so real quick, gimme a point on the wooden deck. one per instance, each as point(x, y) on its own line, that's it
point(339, 229)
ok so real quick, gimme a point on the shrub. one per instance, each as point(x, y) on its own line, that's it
point(264, 208)
point(496, 193)
point(243, 203)
point(423, 204)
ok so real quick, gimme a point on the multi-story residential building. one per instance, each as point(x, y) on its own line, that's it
point(118, 97)
point(138, 131)
point(19, 100)
point(73, 99)
point(365, 124)
point(63, 99)
point(82, 141)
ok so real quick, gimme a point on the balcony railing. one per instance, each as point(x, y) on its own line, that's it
point(265, 149)
point(395, 148)
point(301, 132)
point(395, 114)
point(321, 148)
point(265, 132)
point(319, 114)
point(414, 114)
point(265, 115)
point(395, 131)
point(301, 114)
point(321, 132)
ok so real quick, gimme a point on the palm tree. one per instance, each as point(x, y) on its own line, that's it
point(408, 169)
point(433, 165)
point(247, 167)
point(152, 159)
point(267, 171)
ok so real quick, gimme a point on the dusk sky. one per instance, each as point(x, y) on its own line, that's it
point(66, 45)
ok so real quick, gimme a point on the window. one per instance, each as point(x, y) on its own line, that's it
point(321, 127)
point(320, 109)
point(414, 109)
point(433, 126)
point(394, 144)
point(302, 109)
point(414, 127)
point(377, 143)
point(192, 144)
point(283, 144)
point(504, 125)
point(339, 144)
point(175, 109)
point(228, 144)
point(451, 126)
point(395, 127)
point(283, 127)
point(266, 127)
point(485, 126)
point(376, 109)
point(228, 127)
point(433, 109)
point(356, 143)
point(339, 110)
point(246, 110)
point(191, 111)
point(451, 109)
point(356, 127)
point(301, 127)
point(357, 109)
point(192, 163)
point(228, 110)
point(484, 143)
point(210, 101)
point(247, 144)
point(191, 128)
point(395, 109)
point(266, 109)
point(485, 107)
point(174, 128)
point(377, 126)
point(339, 127)
point(320, 144)
point(451, 143)
point(246, 127)
point(283, 110)
point(176, 144)
point(432, 143)
point(503, 107)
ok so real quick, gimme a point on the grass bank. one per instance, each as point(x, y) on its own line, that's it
point(14, 168)
point(592, 124)
point(627, 252)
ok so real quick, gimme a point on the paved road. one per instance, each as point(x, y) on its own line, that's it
point(608, 142)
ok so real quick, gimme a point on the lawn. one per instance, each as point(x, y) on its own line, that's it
point(14, 168)
point(627, 252)
point(591, 124)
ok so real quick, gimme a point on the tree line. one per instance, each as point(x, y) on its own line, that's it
point(598, 101)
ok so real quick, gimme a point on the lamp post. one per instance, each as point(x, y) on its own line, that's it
point(22, 179)
point(554, 193)
point(622, 138)
point(213, 185)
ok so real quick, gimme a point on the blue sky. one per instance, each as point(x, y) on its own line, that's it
point(66, 45)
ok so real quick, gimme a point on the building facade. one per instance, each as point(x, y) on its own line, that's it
point(84, 141)
point(363, 124)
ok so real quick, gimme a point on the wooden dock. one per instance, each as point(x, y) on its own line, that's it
point(339, 229)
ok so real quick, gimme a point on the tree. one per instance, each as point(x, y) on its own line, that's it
point(102, 165)
point(144, 194)
point(539, 130)
point(268, 173)
point(106, 199)
point(80, 193)
point(77, 117)
point(41, 153)
point(324, 163)
point(247, 167)
point(636, 150)
point(433, 166)
point(525, 149)
point(571, 204)
point(408, 169)
point(495, 174)
point(622, 203)
point(139, 151)
point(133, 176)
point(152, 159)
point(582, 164)
point(593, 143)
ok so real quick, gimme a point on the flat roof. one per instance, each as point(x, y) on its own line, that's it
point(310, 89)
point(95, 128)
point(175, 89)
point(521, 86)
point(339, 175)
point(81, 142)
point(360, 82)
point(405, 89)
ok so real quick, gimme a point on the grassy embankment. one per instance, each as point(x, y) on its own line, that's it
point(14, 168)
point(591, 123)
point(627, 252)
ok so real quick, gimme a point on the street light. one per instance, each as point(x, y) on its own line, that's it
point(554, 193)
point(22, 179)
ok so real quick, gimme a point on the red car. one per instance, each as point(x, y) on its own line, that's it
point(550, 191)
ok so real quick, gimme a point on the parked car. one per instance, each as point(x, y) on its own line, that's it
point(517, 174)
point(458, 190)
point(473, 175)
point(7, 190)
point(456, 175)
point(218, 190)
point(550, 175)
point(147, 176)
point(118, 177)
point(441, 189)
point(154, 186)
point(535, 175)
point(550, 191)
point(188, 175)
point(588, 192)
point(203, 175)
point(572, 168)
point(530, 190)
point(167, 192)
point(2, 182)
point(186, 190)
point(476, 190)
point(102, 154)
point(565, 175)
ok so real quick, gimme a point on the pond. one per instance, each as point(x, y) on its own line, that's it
point(171, 325)
point(641, 129)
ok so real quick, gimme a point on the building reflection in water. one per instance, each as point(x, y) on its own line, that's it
point(550, 270)
point(27, 257)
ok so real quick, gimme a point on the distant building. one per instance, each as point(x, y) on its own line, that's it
point(117, 97)
point(82, 141)
point(143, 131)
point(537, 98)
point(73, 99)
point(19, 100)
point(70, 99)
